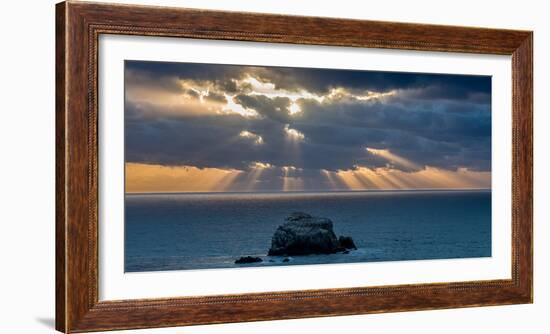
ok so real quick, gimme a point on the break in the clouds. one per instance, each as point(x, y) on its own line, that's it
point(209, 127)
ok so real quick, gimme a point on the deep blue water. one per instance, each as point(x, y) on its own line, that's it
point(198, 231)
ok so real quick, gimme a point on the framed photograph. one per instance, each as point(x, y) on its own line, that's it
point(222, 167)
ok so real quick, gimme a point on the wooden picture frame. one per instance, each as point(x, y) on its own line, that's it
point(78, 26)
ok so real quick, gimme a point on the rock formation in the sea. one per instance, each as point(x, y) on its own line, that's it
point(248, 259)
point(346, 242)
point(303, 234)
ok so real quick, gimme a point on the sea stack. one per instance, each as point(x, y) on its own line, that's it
point(303, 234)
point(248, 259)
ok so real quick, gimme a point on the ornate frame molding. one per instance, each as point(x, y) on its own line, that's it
point(78, 27)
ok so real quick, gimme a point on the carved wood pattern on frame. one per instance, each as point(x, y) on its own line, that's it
point(78, 27)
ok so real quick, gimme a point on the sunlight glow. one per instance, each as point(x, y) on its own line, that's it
point(332, 179)
point(294, 134)
point(157, 178)
point(257, 139)
point(374, 95)
point(362, 178)
point(257, 86)
point(235, 108)
point(287, 169)
point(145, 178)
point(260, 165)
point(291, 182)
point(294, 108)
point(393, 158)
point(193, 97)
point(268, 89)
point(154, 101)
point(257, 168)
point(340, 93)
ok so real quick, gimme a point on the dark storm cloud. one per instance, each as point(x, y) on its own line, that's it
point(426, 133)
point(221, 76)
point(191, 71)
point(272, 108)
point(321, 81)
point(432, 120)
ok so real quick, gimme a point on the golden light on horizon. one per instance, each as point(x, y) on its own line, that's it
point(373, 177)
point(292, 182)
point(252, 177)
point(145, 178)
point(331, 178)
point(350, 180)
point(363, 178)
point(461, 178)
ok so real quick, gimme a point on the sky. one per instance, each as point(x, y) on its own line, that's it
point(193, 127)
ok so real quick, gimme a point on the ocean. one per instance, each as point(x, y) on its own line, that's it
point(202, 231)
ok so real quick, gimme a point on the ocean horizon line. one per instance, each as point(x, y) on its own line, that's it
point(308, 191)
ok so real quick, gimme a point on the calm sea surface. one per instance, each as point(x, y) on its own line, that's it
point(198, 231)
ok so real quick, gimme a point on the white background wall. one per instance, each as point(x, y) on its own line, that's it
point(27, 165)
